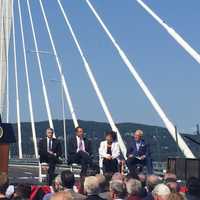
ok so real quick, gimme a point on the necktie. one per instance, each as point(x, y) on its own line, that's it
point(50, 146)
point(81, 145)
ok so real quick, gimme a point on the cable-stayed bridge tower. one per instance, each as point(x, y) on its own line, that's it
point(5, 30)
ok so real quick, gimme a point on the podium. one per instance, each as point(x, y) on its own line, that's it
point(7, 137)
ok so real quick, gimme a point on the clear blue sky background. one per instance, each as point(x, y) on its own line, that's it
point(170, 73)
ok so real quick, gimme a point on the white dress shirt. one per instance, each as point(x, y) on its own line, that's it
point(138, 145)
point(49, 140)
point(78, 144)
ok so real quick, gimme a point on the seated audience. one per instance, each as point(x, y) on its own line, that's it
point(161, 192)
point(68, 182)
point(118, 190)
point(133, 187)
point(109, 153)
point(91, 188)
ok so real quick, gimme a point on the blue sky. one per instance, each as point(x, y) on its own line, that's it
point(169, 72)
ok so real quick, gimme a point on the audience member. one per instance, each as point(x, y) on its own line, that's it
point(133, 187)
point(151, 182)
point(68, 182)
point(104, 187)
point(161, 192)
point(91, 188)
point(56, 187)
point(172, 184)
point(118, 190)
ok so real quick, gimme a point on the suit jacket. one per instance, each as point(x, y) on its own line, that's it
point(142, 151)
point(72, 146)
point(56, 148)
point(103, 151)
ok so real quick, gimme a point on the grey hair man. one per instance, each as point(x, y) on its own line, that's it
point(133, 187)
point(91, 188)
point(104, 186)
point(118, 190)
point(161, 192)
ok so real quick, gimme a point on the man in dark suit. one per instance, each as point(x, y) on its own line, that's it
point(50, 150)
point(80, 150)
point(138, 153)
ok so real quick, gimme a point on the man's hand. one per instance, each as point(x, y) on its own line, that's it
point(50, 152)
point(130, 156)
point(142, 157)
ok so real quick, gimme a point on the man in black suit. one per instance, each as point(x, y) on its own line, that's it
point(50, 150)
point(80, 150)
point(138, 153)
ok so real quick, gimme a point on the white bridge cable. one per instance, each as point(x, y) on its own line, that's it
point(94, 83)
point(1, 55)
point(40, 69)
point(6, 40)
point(28, 84)
point(64, 84)
point(169, 125)
point(17, 88)
point(178, 38)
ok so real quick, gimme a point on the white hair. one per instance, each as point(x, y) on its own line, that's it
point(161, 190)
point(118, 188)
point(133, 186)
point(91, 185)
